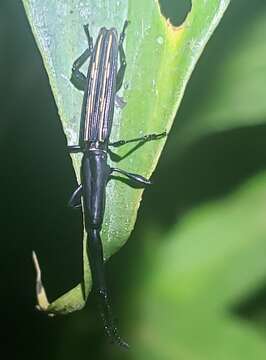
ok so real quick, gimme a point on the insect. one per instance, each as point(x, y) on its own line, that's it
point(100, 86)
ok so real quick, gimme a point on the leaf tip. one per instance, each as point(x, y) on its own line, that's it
point(42, 300)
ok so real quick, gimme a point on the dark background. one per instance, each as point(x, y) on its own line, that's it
point(37, 179)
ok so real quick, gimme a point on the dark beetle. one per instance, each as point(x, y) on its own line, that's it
point(100, 85)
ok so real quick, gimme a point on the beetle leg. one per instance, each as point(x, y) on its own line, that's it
point(78, 79)
point(141, 139)
point(89, 38)
point(75, 200)
point(122, 58)
point(74, 149)
point(135, 177)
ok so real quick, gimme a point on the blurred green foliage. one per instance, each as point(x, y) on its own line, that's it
point(191, 281)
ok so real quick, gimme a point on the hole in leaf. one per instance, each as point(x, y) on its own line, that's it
point(175, 11)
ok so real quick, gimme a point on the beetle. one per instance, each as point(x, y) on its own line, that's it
point(100, 86)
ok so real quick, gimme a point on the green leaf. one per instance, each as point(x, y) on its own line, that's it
point(160, 61)
point(209, 249)
point(213, 259)
point(195, 336)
